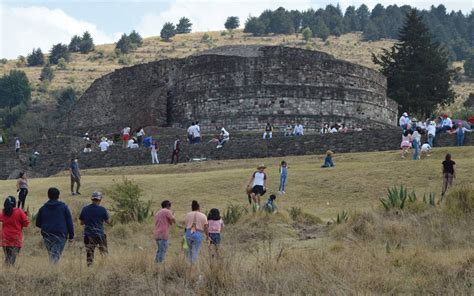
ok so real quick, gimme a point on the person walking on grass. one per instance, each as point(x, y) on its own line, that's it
point(154, 152)
point(164, 218)
point(22, 189)
point(283, 175)
point(176, 150)
point(196, 231)
point(93, 217)
point(431, 130)
point(13, 221)
point(258, 183)
point(55, 221)
point(406, 143)
point(216, 225)
point(75, 176)
point(448, 174)
point(416, 141)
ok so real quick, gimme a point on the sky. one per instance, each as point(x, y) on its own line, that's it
point(29, 24)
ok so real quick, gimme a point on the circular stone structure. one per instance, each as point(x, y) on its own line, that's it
point(239, 87)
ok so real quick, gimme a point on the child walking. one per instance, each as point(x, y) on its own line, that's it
point(406, 143)
point(283, 175)
point(448, 174)
point(216, 225)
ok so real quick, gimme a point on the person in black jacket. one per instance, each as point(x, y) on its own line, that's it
point(55, 221)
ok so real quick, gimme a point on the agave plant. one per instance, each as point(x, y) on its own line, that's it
point(341, 217)
point(396, 198)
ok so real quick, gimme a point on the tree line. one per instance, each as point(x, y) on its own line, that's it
point(452, 29)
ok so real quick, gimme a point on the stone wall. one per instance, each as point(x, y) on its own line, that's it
point(240, 87)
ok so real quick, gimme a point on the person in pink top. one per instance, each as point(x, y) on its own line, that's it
point(196, 228)
point(164, 218)
point(13, 220)
point(216, 225)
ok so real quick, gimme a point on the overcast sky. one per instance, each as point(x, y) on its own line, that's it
point(25, 25)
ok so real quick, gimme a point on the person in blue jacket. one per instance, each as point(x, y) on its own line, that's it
point(55, 221)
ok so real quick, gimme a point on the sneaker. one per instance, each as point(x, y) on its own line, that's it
point(78, 193)
point(73, 193)
point(283, 192)
point(219, 146)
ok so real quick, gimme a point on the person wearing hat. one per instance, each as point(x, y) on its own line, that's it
point(404, 121)
point(446, 124)
point(258, 182)
point(224, 138)
point(93, 217)
point(328, 160)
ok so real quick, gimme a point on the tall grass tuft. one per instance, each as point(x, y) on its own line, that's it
point(298, 216)
point(128, 205)
point(397, 197)
point(233, 213)
point(460, 200)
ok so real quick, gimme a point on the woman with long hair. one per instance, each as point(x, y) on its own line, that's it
point(13, 221)
point(196, 230)
point(22, 189)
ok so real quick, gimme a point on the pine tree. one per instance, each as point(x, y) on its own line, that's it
point(36, 58)
point(296, 20)
point(363, 15)
point(87, 43)
point(371, 32)
point(232, 23)
point(255, 26)
point(469, 65)
point(124, 45)
point(168, 31)
point(14, 89)
point(418, 75)
point(59, 51)
point(351, 22)
point(65, 99)
point(320, 29)
point(281, 22)
point(184, 26)
point(75, 44)
point(135, 39)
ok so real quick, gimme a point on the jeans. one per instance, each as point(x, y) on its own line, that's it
point(10, 254)
point(55, 246)
point(95, 241)
point(430, 140)
point(162, 245)
point(194, 243)
point(416, 146)
point(459, 139)
point(282, 183)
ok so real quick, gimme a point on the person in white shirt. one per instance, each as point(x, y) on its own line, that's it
point(416, 140)
point(196, 133)
point(268, 131)
point(403, 121)
point(191, 133)
point(140, 135)
point(431, 128)
point(299, 130)
point(333, 130)
point(288, 130)
point(446, 124)
point(17, 145)
point(225, 136)
point(258, 183)
point(88, 148)
point(104, 145)
point(132, 144)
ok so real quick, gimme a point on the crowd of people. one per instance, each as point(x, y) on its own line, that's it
point(413, 131)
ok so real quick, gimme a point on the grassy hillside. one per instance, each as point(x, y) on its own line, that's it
point(421, 250)
point(84, 69)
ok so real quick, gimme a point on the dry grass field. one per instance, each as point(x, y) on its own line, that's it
point(420, 250)
point(84, 69)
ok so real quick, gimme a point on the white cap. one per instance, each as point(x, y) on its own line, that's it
point(405, 114)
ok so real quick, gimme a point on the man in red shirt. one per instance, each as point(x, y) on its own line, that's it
point(163, 220)
point(13, 220)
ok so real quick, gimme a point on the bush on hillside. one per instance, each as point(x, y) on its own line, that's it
point(35, 58)
point(233, 213)
point(47, 73)
point(128, 204)
point(168, 31)
point(59, 51)
point(460, 200)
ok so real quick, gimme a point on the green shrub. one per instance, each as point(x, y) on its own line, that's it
point(125, 60)
point(341, 217)
point(396, 198)
point(460, 200)
point(206, 38)
point(128, 205)
point(233, 213)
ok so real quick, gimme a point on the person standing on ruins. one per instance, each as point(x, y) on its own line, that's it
point(268, 131)
point(154, 152)
point(140, 135)
point(224, 138)
point(299, 130)
point(125, 136)
point(191, 133)
point(75, 176)
point(176, 150)
point(288, 130)
point(196, 133)
point(17, 145)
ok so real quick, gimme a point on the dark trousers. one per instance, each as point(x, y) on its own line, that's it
point(77, 181)
point(10, 254)
point(91, 242)
point(22, 197)
point(175, 154)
